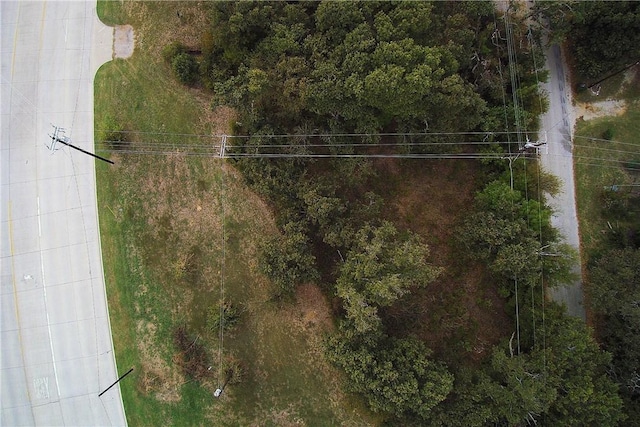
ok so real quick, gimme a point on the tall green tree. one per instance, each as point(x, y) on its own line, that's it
point(395, 376)
point(614, 283)
point(382, 265)
point(287, 260)
point(614, 290)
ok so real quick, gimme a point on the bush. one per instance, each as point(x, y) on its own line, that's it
point(185, 68)
point(192, 357)
point(287, 260)
point(172, 50)
point(608, 134)
point(228, 317)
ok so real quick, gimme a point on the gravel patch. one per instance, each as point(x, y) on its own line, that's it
point(593, 110)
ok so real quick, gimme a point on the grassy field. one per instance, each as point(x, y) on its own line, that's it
point(603, 147)
point(174, 229)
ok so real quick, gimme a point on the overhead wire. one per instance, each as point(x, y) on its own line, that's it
point(539, 190)
point(223, 195)
point(152, 148)
point(512, 72)
point(156, 146)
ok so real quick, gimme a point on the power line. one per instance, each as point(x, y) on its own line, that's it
point(223, 195)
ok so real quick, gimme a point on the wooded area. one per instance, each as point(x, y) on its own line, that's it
point(603, 36)
point(312, 70)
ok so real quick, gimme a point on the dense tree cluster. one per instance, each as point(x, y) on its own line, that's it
point(506, 230)
point(396, 376)
point(351, 65)
point(316, 69)
point(560, 380)
point(604, 35)
point(381, 267)
point(614, 291)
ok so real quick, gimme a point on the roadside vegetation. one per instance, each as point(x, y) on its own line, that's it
point(608, 179)
point(603, 40)
point(356, 290)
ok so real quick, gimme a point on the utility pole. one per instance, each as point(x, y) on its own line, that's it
point(219, 390)
point(614, 74)
point(223, 146)
point(58, 136)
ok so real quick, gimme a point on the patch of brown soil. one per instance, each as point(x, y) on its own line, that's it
point(283, 418)
point(431, 195)
point(593, 110)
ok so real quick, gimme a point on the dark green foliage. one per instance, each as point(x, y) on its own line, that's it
point(172, 50)
point(309, 69)
point(604, 36)
point(287, 261)
point(113, 134)
point(363, 64)
point(615, 283)
point(185, 68)
point(396, 376)
point(614, 288)
point(381, 267)
point(577, 369)
point(504, 230)
point(608, 134)
point(226, 316)
point(561, 381)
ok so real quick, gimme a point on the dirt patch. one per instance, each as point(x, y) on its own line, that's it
point(123, 41)
point(594, 110)
point(430, 197)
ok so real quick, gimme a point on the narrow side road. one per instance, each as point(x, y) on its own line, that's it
point(557, 158)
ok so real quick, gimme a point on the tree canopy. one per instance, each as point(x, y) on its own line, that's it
point(604, 35)
point(396, 376)
point(382, 266)
point(315, 71)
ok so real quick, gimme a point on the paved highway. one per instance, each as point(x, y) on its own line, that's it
point(56, 349)
point(557, 158)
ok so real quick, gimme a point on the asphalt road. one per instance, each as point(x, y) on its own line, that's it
point(56, 349)
point(557, 158)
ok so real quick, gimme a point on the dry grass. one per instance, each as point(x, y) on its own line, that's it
point(157, 379)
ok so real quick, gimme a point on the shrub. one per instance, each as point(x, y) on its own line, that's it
point(172, 50)
point(227, 317)
point(192, 356)
point(185, 68)
point(113, 134)
point(608, 134)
